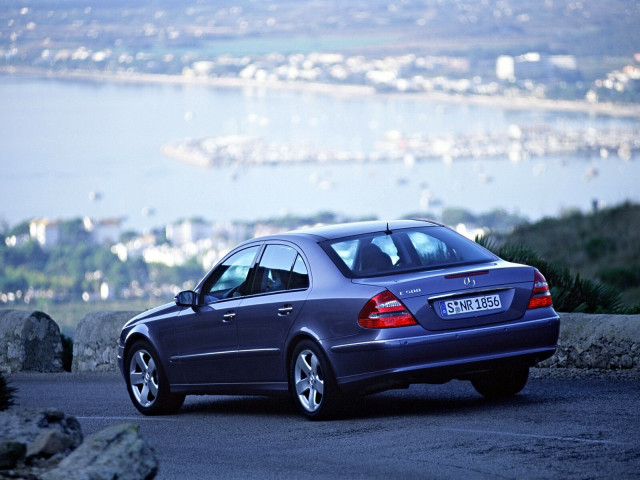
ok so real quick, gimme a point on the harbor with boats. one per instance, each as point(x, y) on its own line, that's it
point(516, 144)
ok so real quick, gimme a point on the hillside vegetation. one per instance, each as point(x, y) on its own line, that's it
point(601, 247)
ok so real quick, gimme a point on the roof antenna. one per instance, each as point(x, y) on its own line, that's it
point(387, 231)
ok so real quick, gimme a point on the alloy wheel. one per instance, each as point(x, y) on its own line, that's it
point(309, 380)
point(143, 378)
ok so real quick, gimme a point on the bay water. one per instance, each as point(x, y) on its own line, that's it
point(70, 149)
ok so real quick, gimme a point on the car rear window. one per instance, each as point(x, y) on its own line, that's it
point(383, 253)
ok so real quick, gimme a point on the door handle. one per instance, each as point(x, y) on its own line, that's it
point(285, 310)
point(227, 317)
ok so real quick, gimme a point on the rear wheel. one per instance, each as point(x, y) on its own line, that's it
point(502, 383)
point(147, 385)
point(311, 382)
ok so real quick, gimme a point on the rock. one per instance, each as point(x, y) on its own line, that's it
point(49, 443)
point(29, 341)
point(25, 425)
point(116, 452)
point(95, 344)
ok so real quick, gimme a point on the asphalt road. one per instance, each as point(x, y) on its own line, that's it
point(561, 427)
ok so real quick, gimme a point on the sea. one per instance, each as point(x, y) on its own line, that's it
point(71, 149)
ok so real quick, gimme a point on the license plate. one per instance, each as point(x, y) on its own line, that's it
point(450, 308)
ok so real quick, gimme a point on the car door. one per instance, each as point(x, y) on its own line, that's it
point(280, 287)
point(207, 333)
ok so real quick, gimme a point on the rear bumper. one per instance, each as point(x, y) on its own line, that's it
point(439, 357)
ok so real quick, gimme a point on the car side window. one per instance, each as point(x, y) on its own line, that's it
point(299, 275)
point(280, 268)
point(229, 279)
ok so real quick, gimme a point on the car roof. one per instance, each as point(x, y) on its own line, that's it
point(331, 232)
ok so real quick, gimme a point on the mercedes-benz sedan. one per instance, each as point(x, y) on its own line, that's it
point(328, 312)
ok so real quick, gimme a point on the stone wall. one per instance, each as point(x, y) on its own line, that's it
point(597, 341)
point(95, 344)
point(29, 341)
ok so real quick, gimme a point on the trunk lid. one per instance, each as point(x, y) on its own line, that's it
point(464, 296)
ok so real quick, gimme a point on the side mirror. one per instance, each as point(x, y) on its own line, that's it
point(186, 298)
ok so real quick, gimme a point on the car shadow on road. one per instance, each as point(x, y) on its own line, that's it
point(416, 401)
point(238, 405)
point(391, 404)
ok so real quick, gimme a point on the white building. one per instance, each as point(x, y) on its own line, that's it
point(46, 232)
point(505, 68)
point(188, 231)
point(106, 230)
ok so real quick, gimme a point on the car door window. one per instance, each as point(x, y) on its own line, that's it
point(299, 275)
point(280, 268)
point(229, 279)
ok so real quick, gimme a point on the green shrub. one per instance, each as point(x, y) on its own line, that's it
point(6, 394)
point(570, 293)
point(621, 278)
point(598, 247)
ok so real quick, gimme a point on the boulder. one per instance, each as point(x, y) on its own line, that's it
point(95, 344)
point(597, 341)
point(48, 444)
point(115, 452)
point(28, 426)
point(29, 341)
point(29, 438)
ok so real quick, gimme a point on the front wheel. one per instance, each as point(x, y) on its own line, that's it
point(501, 383)
point(311, 382)
point(146, 383)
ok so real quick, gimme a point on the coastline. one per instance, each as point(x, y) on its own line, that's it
point(337, 90)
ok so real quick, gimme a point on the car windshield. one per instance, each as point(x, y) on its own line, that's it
point(383, 253)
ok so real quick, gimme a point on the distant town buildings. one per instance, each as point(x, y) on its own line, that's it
point(188, 231)
point(49, 233)
point(185, 240)
point(195, 242)
point(533, 65)
point(399, 46)
point(107, 230)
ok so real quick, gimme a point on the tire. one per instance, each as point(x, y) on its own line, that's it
point(502, 383)
point(147, 385)
point(312, 383)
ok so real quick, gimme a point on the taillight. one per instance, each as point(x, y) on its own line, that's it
point(540, 296)
point(385, 311)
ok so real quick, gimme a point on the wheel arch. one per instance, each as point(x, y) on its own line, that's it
point(294, 342)
point(301, 337)
point(131, 339)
